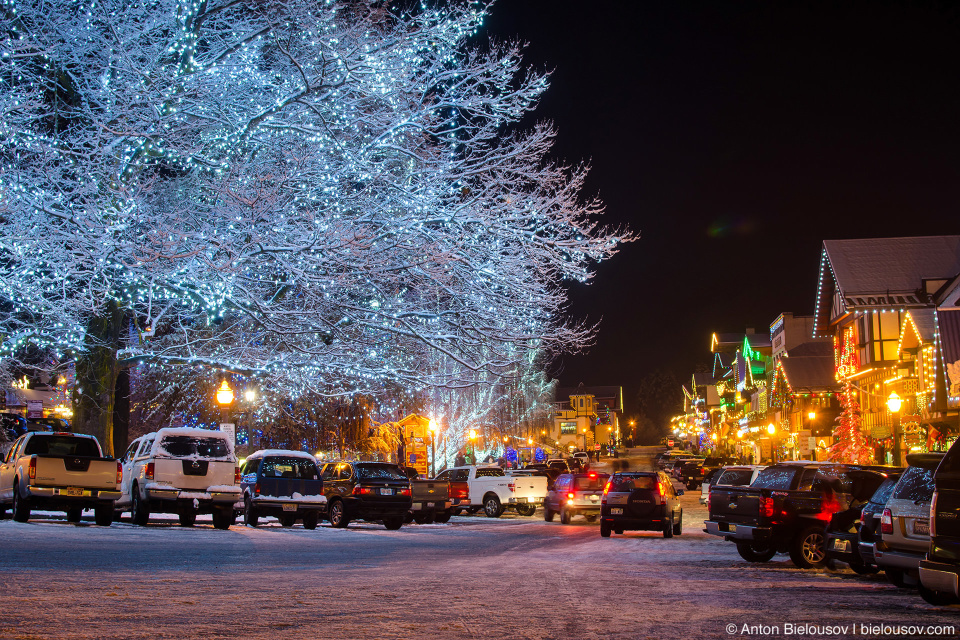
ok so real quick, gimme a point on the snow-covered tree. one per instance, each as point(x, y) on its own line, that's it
point(324, 194)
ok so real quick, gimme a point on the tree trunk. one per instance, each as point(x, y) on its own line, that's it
point(121, 412)
point(97, 369)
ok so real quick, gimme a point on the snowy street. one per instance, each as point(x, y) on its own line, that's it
point(512, 577)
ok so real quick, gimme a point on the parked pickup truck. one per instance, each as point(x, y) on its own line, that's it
point(59, 472)
point(493, 491)
point(785, 510)
point(430, 499)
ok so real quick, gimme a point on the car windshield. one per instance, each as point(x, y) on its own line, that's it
point(380, 472)
point(62, 446)
point(916, 484)
point(585, 483)
point(735, 478)
point(181, 446)
point(629, 483)
point(780, 478)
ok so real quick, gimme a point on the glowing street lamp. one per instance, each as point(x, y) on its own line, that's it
point(225, 394)
point(894, 403)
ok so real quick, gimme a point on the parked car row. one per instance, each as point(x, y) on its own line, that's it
point(904, 522)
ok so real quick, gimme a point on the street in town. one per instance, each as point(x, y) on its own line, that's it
point(476, 577)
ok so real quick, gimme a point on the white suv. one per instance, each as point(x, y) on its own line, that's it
point(182, 471)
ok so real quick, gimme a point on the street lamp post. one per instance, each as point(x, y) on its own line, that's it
point(225, 399)
point(894, 403)
point(433, 449)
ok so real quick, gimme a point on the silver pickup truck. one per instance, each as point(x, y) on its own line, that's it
point(59, 472)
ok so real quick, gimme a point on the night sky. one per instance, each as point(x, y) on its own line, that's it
point(735, 137)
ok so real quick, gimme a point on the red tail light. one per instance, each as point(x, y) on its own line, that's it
point(886, 522)
point(119, 472)
point(606, 488)
point(703, 471)
point(405, 492)
point(362, 491)
point(32, 469)
point(766, 507)
point(571, 496)
point(256, 489)
point(662, 490)
point(236, 475)
point(148, 471)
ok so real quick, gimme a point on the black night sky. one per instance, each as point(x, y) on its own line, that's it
point(736, 137)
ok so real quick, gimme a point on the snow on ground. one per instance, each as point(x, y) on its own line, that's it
point(476, 577)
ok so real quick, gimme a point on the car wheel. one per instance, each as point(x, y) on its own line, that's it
point(21, 507)
point(492, 507)
point(526, 509)
point(547, 514)
point(443, 517)
point(668, 528)
point(250, 515)
point(393, 523)
point(604, 530)
point(223, 517)
point(138, 510)
point(755, 551)
point(564, 516)
point(287, 520)
point(863, 569)
point(311, 519)
point(103, 515)
point(74, 515)
point(187, 518)
point(807, 549)
point(936, 598)
point(897, 577)
point(338, 518)
point(423, 518)
point(678, 526)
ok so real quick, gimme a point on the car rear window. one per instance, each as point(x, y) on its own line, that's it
point(490, 472)
point(629, 483)
point(380, 472)
point(180, 446)
point(590, 484)
point(298, 468)
point(734, 478)
point(62, 446)
point(883, 492)
point(778, 478)
point(915, 484)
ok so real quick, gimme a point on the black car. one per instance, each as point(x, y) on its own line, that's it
point(868, 531)
point(13, 425)
point(283, 484)
point(373, 491)
point(640, 501)
point(842, 534)
point(940, 569)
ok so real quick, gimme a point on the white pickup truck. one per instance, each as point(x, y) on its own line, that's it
point(493, 491)
point(59, 472)
point(182, 471)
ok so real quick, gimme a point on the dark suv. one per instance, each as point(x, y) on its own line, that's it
point(842, 534)
point(940, 570)
point(366, 491)
point(283, 484)
point(575, 494)
point(640, 501)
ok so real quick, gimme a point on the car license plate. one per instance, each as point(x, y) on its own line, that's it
point(594, 498)
point(841, 545)
point(386, 492)
point(289, 506)
point(921, 527)
point(74, 491)
point(616, 512)
point(429, 504)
